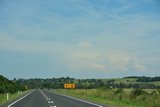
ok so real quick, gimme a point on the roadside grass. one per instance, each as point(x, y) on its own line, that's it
point(3, 97)
point(107, 97)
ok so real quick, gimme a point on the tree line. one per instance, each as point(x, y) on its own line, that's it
point(8, 86)
point(57, 83)
point(15, 85)
point(148, 79)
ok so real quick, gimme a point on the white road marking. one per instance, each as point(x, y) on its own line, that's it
point(79, 100)
point(52, 102)
point(44, 95)
point(19, 99)
point(47, 98)
point(53, 106)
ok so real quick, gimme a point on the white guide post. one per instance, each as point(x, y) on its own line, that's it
point(7, 96)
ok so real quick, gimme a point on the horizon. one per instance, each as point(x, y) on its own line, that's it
point(79, 39)
point(79, 78)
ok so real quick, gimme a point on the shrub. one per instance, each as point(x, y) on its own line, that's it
point(137, 92)
point(119, 92)
point(2, 90)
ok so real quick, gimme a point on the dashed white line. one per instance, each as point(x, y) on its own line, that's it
point(52, 102)
point(44, 95)
point(47, 98)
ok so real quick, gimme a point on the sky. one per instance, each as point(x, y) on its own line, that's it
point(79, 38)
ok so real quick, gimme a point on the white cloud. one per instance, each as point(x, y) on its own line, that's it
point(33, 46)
point(85, 44)
point(87, 65)
point(119, 61)
point(115, 62)
point(126, 62)
point(138, 66)
point(78, 59)
point(100, 67)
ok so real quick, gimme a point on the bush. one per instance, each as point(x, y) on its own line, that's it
point(2, 90)
point(138, 95)
point(8, 86)
point(119, 92)
point(137, 92)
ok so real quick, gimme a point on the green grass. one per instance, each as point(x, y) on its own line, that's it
point(107, 98)
point(3, 97)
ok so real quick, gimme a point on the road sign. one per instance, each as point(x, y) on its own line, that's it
point(69, 86)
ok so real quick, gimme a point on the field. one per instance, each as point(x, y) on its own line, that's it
point(118, 97)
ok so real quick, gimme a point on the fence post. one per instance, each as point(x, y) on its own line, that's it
point(7, 96)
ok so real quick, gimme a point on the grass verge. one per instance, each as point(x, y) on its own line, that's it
point(90, 95)
point(3, 97)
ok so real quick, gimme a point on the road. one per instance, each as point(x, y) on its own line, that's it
point(42, 98)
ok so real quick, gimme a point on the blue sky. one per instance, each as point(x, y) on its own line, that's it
point(79, 38)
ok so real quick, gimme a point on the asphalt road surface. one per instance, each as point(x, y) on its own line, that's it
point(42, 98)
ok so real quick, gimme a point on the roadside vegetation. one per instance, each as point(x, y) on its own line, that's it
point(10, 87)
point(3, 97)
point(117, 97)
